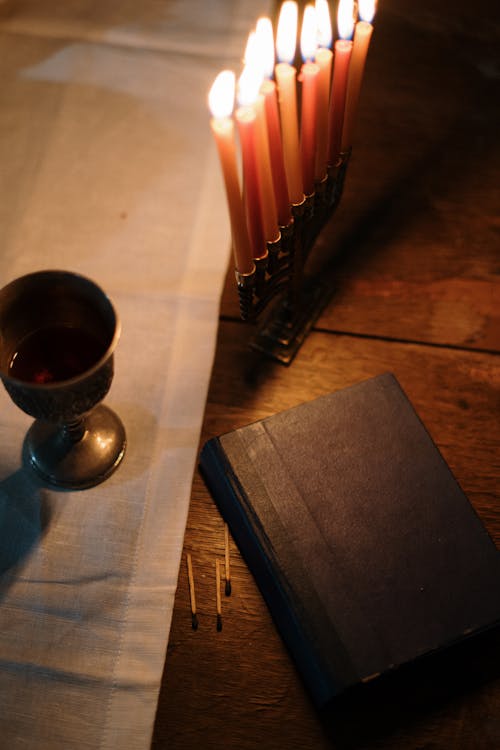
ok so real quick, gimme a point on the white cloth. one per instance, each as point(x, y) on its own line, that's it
point(107, 167)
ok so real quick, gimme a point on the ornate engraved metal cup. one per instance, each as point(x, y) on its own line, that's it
point(58, 332)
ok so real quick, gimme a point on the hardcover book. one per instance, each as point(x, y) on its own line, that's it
point(365, 548)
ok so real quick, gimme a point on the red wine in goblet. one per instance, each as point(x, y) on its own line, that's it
point(55, 353)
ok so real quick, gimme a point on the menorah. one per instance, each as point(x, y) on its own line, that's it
point(293, 167)
point(281, 273)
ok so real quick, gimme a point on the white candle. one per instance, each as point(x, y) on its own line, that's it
point(323, 59)
point(287, 97)
point(247, 128)
point(221, 99)
point(246, 118)
point(361, 42)
point(254, 67)
point(309, 75)
point(265, 47)
point(343, 51)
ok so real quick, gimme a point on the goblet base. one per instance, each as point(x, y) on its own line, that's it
point(62, 461)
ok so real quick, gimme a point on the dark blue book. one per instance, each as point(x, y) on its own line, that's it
point(365, 548)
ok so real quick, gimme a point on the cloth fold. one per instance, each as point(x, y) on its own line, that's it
point(108, 168)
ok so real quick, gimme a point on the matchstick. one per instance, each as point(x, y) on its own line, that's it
point(227, 563)
point(217, 581)
point(192, 597)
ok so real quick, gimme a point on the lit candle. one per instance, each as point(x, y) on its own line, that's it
point(246, 119)
point(254, 61)
point(287, 97)
point(283, 208)
point(264, 32)
point(343, 50)
point(362, 37)
point(309, 75)
point(221, 100)
point(323, 58)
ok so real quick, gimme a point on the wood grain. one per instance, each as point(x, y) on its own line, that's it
point(238, 688)
point(412, 255)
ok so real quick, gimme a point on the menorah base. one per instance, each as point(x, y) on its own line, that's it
point(282, 333)
point(280, 271)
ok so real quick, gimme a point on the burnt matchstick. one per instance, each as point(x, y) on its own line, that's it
point(192, 596)
point(217, 594)
point(227, 590)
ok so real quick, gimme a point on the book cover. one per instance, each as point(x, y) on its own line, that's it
point(365, 548)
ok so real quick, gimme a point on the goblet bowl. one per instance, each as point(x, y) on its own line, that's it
point(58, 333)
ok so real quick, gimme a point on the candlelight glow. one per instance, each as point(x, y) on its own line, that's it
point(345, 19)
point(324, 23)
point(221, 95)
point(286, 37)
point(265, 45)
point(309, 33)
point(366, 10)
point(253, 72)
point(249, 84)
point(250, 54)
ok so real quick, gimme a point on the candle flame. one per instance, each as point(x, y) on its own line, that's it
point(252, 76)
point(345, 19)
point(286, 37)
point(249, 84)
point(265, 45)
point(324, 23)
point(221, 95)
point(309, 33)
point(367, 10)
point(249, 56)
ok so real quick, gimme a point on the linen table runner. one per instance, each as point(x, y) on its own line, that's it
point(108, 169)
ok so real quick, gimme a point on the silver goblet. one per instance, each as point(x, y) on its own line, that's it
point(58, 332)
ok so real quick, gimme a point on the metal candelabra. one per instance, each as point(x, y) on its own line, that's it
point(280, 272)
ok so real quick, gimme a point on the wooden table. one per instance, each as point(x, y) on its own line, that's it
point(416, 291)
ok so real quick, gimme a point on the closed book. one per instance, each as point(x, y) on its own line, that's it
point(365, 548)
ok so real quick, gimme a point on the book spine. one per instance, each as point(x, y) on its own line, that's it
point(227, 494)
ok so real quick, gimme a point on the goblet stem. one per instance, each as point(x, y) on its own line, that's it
point(74, 430)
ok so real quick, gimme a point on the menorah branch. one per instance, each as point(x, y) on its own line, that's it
point(281, 273)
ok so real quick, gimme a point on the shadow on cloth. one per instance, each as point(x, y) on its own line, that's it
point(24, 518)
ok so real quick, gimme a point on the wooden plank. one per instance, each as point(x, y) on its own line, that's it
point(238, 688)
point(413, 250)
